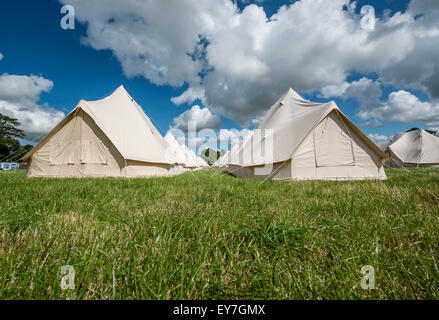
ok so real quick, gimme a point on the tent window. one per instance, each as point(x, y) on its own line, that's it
point(333, 146)
point(65, 152)
point(76, 152)
point(94, 152)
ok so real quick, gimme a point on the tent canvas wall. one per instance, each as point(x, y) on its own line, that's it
point(201, 163)
point(174, 149)
point(417, 148)
point(175, 152)
point(311, 141)
point(111, 137)
point(191, 159)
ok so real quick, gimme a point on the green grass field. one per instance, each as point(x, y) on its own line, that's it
point(213, 236)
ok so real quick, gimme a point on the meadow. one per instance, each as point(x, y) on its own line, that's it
point(208, 235)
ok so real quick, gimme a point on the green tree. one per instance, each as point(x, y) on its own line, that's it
point(9, 133)
point(210, 156)
point(9, 127)
point(19, 153)
point(4, 151)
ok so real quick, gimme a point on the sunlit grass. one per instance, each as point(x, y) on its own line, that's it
point(206, 236)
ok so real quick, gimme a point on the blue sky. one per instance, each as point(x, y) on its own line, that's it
point(33, 43)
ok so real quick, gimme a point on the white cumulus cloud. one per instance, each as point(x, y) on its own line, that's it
point(374, 123)
point(403, 106)
point(19, 95)
point(232, 136)
point(419, 68)
point(378, 138)
point(189, 96)
point(203, 118)
point(239, 62)
point(363, 89)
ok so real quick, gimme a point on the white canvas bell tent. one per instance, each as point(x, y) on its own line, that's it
point(220, 162)
point(225, 160)
point(191, 159)
point(201, 163)
point(310, 141)
point(111, 137)
point(416, 148)
point(175, 152)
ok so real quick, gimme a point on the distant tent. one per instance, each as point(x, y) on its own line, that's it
point(201, 163)
point(111, 137)
point(311, 141)
point(222, 160)
point(417, 148)
point(190, 158)
point(175, 152)
point(384, 146)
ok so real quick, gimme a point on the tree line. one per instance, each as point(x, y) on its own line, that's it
point(11, 149)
